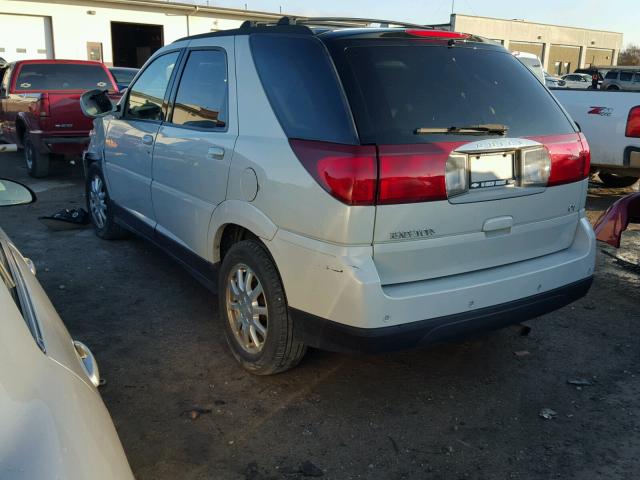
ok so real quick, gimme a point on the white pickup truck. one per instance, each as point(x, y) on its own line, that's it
point(611, 123)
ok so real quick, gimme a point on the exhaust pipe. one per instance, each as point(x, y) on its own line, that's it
point(8, 147)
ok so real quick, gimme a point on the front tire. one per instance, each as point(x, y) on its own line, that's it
point(613, 180)
point(37, 163)
point(253, 309)
point(100, 206)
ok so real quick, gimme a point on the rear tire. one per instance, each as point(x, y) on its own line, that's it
point(37, 163)
point(613, 87)
point(100, 206)
point(253, 309)
point(613, 180)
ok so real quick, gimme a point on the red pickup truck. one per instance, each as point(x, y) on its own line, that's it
point(39, 108)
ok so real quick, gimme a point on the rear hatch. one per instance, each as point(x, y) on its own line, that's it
point(478, 166)
point(59, 86)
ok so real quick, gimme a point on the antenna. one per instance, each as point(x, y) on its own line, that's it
point(453, 6)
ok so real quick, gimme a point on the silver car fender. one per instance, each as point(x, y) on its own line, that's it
point(243, 214)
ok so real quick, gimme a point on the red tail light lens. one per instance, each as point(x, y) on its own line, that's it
point(41, 107)
point(586, 156)
point(633, 123)
point(348, 172)
point(413, 173)
point(437, 34)
point(570, 158)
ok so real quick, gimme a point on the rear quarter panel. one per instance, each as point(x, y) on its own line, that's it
point(287, 193)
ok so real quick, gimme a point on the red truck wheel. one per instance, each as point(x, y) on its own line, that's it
point(37, 163)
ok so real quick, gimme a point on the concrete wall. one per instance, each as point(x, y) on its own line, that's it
point(74, 23)
point(554, 38)
point(529, 47)
point(563, 59)
point(598, 56)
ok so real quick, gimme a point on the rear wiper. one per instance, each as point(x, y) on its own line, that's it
point(483, 129)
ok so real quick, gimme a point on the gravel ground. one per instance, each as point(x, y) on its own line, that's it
point(462, 410)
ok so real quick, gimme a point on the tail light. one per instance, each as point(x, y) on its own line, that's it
point(395, 174)
point(412, 173)
point(43, 105)
point(347, 172)
point(570, 159)
point(445, 34)
point(633, 123)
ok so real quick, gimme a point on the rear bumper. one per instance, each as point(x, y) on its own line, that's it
point(327, 335)
point(337, 288)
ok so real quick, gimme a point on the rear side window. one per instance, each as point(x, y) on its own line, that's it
point(300, 81)
point(396, 89)
point(201, 100)
point(61, 76)
point(626, 76)
point(611, 75)
point(124, 75)
point(147, 94)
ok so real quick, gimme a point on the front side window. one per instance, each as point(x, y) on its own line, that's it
point(147, 94)
point(611, 75)
point(201, 100)
point(62, 76)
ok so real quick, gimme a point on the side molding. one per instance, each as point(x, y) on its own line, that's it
point(240, 213)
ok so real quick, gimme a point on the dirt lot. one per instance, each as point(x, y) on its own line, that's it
point(463, 410)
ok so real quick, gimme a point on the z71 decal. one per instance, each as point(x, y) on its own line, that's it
point(602, 111)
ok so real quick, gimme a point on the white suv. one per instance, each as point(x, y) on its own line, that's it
point(354, 189)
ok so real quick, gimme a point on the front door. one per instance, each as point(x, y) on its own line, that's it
point(131, 137)
point(194, 146)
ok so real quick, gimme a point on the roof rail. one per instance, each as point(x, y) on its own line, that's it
point(346, 22)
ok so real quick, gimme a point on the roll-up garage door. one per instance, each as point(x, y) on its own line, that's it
point(24, 37)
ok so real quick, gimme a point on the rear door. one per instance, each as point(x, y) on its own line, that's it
point(404, 95)
point(194, 146)
point(130, 139)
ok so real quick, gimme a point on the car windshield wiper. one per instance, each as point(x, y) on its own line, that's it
point(483, 129)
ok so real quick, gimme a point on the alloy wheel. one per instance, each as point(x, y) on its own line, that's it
point(247, 308)
point(97, 202)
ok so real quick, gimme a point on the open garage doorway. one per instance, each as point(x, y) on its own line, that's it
point(134, 43)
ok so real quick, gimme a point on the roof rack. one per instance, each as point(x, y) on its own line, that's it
point(346, 22)
point(305, 25)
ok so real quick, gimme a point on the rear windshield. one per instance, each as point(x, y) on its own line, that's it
point(61, 76)
point(300, 81)
point(395, 89)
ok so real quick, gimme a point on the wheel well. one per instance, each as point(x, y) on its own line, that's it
point(232, 234)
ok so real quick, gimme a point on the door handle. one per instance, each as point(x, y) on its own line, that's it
point(215, 153)
point(147, 139)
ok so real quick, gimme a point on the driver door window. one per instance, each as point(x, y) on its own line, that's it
point(146, 96)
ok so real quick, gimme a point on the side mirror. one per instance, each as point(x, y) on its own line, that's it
point(14, 193)
point(95, 103)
